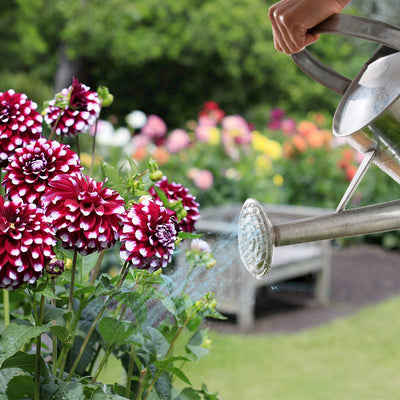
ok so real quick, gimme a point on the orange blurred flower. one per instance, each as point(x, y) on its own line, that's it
point(161, 155)
point(306, 128)
point(139, 154)
point(299, 143)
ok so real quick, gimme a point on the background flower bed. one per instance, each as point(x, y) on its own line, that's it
point(226, 159)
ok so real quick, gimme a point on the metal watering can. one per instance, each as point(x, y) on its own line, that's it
point(368, 117)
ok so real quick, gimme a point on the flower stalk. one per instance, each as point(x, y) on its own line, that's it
point(6, 305)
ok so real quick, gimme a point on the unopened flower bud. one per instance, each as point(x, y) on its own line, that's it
point(68, 264)
point(55, 267)
point(156, 175)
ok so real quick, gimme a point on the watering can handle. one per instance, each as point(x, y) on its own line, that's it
point(348, 25)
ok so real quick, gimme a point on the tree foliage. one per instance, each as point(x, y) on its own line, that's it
point(164, 57)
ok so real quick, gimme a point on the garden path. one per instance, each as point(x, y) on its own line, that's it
point(360, 276)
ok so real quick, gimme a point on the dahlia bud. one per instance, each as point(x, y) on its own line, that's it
point(55, 267)
point(156, 175)
point(105, 96)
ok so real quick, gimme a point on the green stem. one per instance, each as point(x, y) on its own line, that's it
point(102, 363)
point(94, 359)
point(71, 288)
point(96, 269)
point(6, 304)
point(124, 274)
point(161, 370)
point(130, 371)
point(78, 147)
point(39, 350)
point(93, 148)
point(54, 337)
point(142, 377)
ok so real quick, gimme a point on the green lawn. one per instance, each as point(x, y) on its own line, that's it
point(353, 358)
point(357, 357)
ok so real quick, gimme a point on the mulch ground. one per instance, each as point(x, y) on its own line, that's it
point(360, 276)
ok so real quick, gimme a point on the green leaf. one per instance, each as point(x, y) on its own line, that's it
point(188, 394)
point(64, 335)
point(70, 391)
point(114, 179)
point(159, 342)
point(5, 376)
point(104, 287)
point(98, 394)
point(161, 194)
point(194, 346)
point(187, 235)
point(87, 263)
point(26, 362)
point(136, 302)
point(52, 313)
point(179, 373)
point(21, 387)
point(17, 335)
point(114, 331)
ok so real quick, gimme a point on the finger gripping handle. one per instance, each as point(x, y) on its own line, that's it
point(346, 25)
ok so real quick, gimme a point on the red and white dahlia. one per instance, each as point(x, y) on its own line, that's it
point(74, 110)
point(148, 236)
point(32, 167)
point(176, 192)
point(26, 243)
point(20, 123)
point(86, 215)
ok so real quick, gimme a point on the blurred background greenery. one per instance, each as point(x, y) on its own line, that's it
point(167, 58)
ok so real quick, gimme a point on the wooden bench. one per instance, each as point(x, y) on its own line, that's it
point(234, 287)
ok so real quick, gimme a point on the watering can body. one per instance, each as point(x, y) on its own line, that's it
point(368, 115)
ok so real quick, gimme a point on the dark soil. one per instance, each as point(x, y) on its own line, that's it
point(360, 276)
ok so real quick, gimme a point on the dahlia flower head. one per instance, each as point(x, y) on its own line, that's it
point(20, 123)
point(74, 110)
point(86, 215)
point(148, 236)
point(32, 167)
point(175, 192)
point(26, 243)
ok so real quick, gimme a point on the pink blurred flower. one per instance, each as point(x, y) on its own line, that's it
point(178, 140)
point(203, 179)
point(276, 113)
point(203, 132)
point(155, 128)
point(288, 126)
point(235, 128)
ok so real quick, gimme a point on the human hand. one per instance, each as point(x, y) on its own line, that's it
point(291, 20)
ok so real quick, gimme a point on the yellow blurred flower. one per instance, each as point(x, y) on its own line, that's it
point(262, 144)
point(259, 142)
point(262, 164)
point(214, 136)
point(274, 150)
point(277, 179)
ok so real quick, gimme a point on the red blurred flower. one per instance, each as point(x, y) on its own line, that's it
point(32, 168)
point(20, 123)
point(74, 110)
point(148, 236)
point(175, 192)
point(211, 110)
point(86, 215)
point(26, 243)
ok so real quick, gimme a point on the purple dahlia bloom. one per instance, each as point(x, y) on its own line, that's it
point(74, 110)
point(26, 243)
point(32, 167)
point(148, 236)
point(175, 192)
point(86, 215)
point(20, 123)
